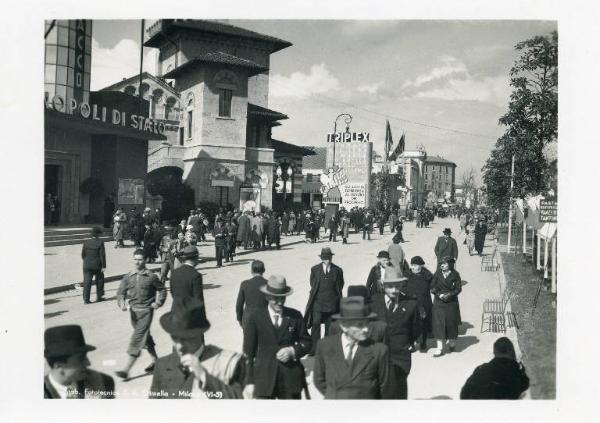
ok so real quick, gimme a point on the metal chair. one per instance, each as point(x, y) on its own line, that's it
point(494, 313)
point(489, 262)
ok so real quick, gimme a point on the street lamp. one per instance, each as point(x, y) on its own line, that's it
point(284, 177)
point(347, 119)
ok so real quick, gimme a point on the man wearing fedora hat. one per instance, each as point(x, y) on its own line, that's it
point(186, 281)
point(65, 351)
point(446, 247)
point(419, 284)
point(249, 294)
point(195, 370)
point(399, 312)
point(220, 234)
point(275, 339)
point(140, 292)
point(326, 285)
point(94, 263)
point(351, 365)
point(377, 273)
point(376, 327)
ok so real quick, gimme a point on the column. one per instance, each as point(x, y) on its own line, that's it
point(539, 252)
point(553, 286)
point(546, 258)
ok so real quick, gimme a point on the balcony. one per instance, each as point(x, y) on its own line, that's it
point(166, 155)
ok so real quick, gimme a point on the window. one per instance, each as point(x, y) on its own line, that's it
point(225, 102)
point(181, 136)
point(309, 177)
point(223, 195)
point(189, 123)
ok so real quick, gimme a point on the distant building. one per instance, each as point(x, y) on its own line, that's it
point(412, 163)
point(439, 178)
point(312, 169)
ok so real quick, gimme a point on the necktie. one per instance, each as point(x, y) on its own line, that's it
point(391, 306)
point(184, 369)
point(349, 355)
point(276, 320)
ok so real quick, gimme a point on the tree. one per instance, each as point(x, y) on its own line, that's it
point(468, 183)
point(531, 124)
point(383, 183)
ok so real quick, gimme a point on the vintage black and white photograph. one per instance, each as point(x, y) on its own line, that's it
point(300, 209)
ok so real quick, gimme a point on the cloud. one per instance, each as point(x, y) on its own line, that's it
point(370, 88)
point(494, 90)
point(300, 85)
point(450, 66)
point(110, 65)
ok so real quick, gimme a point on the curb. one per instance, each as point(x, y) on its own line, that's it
point(71, 286)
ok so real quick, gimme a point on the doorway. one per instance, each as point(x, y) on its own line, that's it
point(52, 185)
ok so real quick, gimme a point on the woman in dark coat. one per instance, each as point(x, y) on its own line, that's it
point(480, 233)
point(446, 285)
point(149, 248)
point(285, 223)
point(419, 285)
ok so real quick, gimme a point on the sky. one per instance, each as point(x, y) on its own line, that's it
point(444, 84)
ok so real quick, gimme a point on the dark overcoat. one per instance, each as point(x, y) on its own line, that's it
point(243, 233)
point(419, 285)
point(93, 254)
point(316, 275)
point(480, 233)
point(501, 378)
point(186, 282)
point(446, 313)
point(250, 297)
point(95, 385)
point(374, 284)
point(262, 340)
point(446, 247)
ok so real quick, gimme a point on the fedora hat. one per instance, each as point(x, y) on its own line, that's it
point(326, 253)
point(393, 276)
point(189, 252)
point(383, 254)
point(354, 308)
point(65, 341)
point(277, 286)
point(417, 260)
point(358, 291)
point(447, 259)
point(187, 319)
point(447, 231)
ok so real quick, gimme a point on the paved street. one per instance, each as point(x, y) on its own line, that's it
point(108, 328)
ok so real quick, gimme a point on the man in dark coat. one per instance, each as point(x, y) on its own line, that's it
point(326, 284)
point(419, 284)
point(377, 273)
point(273, 231)
point(367, 225)
point(446, 247)
point(109, 209)
point(186, 281)
point(243, 233)
point(65, 351)
point(196, 221)
point(249, 296)
point(351, 365)
point(333, 226)
point(220, 234)
point(231, 240)
point(480, 233)
point(94, 263)
point(399, 312)
point(501, 378)
point(275, 339)
point(195, 370)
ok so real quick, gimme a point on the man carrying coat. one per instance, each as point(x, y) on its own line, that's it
point(94, 263)
point(275, 339)
point(326, 285)
point(446, 247)
point(351, 365)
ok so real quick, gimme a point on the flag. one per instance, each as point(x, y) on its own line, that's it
point(388, 139)
point(399, 148)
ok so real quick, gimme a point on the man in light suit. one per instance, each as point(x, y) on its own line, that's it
point(69, 377)
point(326, 284)
point(351, 365)
point(94, 263)
point(275, 339)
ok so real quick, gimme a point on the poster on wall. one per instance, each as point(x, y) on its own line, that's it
point(250, 199)
point(131, 191)
point(353, 195)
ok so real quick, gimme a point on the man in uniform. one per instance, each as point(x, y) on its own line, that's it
point(69, 377)
point(326, 284)
point(351, 365)
point(399, 312)
point(445, 247)
point(140, 292)
point(94, 263)
point(249, 296)
point(275, 339)
point(195, 370)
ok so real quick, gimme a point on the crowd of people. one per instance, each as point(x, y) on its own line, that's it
point(362, 343)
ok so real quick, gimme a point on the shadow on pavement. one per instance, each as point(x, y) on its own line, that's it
point(441, 397)
point(464, 342)
point(48, 302)
point(210, 286)
point(54, 314)
point(136, 377)
point(464, 282)
point(464, 327)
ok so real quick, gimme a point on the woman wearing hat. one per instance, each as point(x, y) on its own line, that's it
point(420, 282)
point(446, 286)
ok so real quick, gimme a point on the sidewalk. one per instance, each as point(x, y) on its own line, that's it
point(63, 268)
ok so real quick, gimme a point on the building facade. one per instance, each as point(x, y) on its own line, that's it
point(439, 179)
point(220, 76)
point(86, 133)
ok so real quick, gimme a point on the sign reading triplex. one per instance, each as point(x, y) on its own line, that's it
point(348, 137)
point(101, 113)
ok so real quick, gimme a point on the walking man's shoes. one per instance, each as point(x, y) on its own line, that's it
point(150, 368)
point(122, 374)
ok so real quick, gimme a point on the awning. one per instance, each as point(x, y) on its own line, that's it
point(313, 187)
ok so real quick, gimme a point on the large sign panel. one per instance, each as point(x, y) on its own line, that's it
point(353, 195)
point(348, 137)
point(250, 199)
point(131, 191)
point(548, 211)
